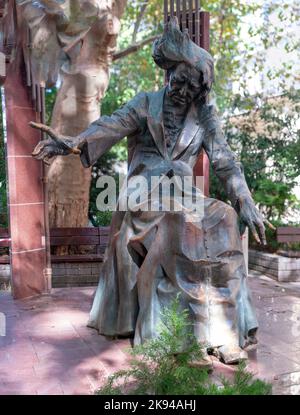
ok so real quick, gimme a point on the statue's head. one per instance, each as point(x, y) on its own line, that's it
point(185, 84)
point(190, 69)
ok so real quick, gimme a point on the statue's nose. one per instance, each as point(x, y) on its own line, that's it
point(182, 90)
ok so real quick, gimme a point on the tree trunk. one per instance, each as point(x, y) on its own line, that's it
point(84, 81)
point(77, 105)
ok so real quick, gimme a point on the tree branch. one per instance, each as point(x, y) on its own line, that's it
point(138, 21)
point(133, 48)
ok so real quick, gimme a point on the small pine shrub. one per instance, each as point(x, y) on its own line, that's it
point(161, 366)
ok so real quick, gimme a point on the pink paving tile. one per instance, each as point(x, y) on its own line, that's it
point(73, 376)
point(23, 375)
point(17, 349)
point(66, 370)
point(295, 357)
point(269, 366)
point(85, 332)
point(82, 387)
point(296, 345)
point(6, 390)
point(49, 333)
point(221, 370)
point(67, 357)
point(114, 360)
point(48, 347)
point(276, 345)
point(50, 388)
point(289, 390)
point(54, 351)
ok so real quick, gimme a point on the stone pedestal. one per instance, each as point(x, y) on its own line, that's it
point(281, 268)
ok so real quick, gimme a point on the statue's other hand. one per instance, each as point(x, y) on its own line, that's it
point(250, 216)
point(55, 146)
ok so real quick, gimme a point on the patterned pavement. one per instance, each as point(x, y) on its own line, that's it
point(49, 350)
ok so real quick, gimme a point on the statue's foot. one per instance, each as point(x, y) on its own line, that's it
point(251, 341)
point(231, 354)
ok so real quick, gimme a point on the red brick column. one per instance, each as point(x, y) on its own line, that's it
point(26, 205)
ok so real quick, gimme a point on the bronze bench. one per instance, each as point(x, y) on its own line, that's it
point(97, 237)
point(288, 234)
point(4, 243)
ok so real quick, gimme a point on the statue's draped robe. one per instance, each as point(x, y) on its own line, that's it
point(154, 255)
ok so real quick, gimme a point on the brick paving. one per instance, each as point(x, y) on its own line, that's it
point(49, 350)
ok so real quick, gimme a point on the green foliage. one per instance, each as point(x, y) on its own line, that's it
point(245, 384)
point(239, 57)
point(161, 365)
point(267, 141)
point(241, 33)
point(99, 218)
point(226, 21)
point(135, 72)
point(129, 75)
point(274, 246)
point(105, 166)
point(50, 101)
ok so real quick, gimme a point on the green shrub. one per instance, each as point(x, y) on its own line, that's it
point(161, 366)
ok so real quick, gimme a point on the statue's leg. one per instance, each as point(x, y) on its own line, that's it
point(206, 264)
point(223, 243)
point(231, 305)
point(115, 307)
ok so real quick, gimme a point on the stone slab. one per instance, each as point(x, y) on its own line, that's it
point(282, 268)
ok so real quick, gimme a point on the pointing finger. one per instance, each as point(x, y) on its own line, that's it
point(262, 232)
point(254, 233)
point(46, 160)
point(270, 225)
point(76, 150)
point(41, 155)
point(39, 147)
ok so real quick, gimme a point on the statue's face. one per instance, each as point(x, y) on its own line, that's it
point(184, 84)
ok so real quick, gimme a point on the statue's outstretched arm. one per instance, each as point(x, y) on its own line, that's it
point(99, 137)
point(109, 130)
point(230, 173)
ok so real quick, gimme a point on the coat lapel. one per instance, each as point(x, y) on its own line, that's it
point(188, 132)
point(156, 126)
point(155, 120)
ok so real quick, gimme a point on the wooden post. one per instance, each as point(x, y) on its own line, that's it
point(201, 168)
point(197, 22)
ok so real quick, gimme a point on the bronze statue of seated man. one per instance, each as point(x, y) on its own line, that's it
point(154, 255)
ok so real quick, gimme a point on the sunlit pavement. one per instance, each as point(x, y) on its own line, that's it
point(49, 350)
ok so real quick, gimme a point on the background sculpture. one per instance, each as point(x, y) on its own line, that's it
point(73, 41)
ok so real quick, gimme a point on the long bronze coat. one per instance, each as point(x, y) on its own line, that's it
point(154, 255)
